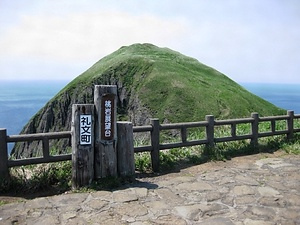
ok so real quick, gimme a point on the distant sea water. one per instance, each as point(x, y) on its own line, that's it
point(20, 100)
point(286, 96)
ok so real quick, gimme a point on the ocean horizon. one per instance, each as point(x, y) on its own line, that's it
point(21, 100)
point(285, 96)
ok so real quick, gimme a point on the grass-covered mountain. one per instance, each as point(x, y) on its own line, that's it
point(152, 82)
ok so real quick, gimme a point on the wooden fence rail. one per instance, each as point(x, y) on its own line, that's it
point(44, 137)
point(154, 130)
point(210, 127)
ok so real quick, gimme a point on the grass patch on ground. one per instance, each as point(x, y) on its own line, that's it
point(26, 180)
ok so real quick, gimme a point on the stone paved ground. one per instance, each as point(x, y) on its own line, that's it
point(260, 189)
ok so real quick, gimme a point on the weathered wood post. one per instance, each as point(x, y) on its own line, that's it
point(82, 144)
point(254, 129)
point(183, 131)
point(290, 124)
point(105, 100)
point(210, 133)
point(125, 149)
point(155, 144)
point(4, 172)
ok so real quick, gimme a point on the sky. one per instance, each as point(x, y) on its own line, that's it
point(249, 41)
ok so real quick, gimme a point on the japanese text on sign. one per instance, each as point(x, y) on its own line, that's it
point(85, 129)
point(107, 120)
point(107, 117)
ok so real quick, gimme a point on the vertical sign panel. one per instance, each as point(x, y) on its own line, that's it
point(83, 117)
point(85, 129)
point(107, 117)
point(105, 99)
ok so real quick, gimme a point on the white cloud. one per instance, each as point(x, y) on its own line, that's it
point(85, 36)
point(247, 40)
point(258, 46)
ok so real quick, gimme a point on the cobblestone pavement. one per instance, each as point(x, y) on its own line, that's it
point(260, 189)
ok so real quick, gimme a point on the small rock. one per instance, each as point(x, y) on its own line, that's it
point(217, 221)
point(246, 180)
point(157, 207)
point(245, 200)
point(243, 190)
point(190, 212)
point(169, 220)
point(212, 196)
point(194, 186)
point(140, 192)
point(268, 192)
point(257, 222)
point(272, 202)
point(124, 196)
point(168, 196)
point(262, 212)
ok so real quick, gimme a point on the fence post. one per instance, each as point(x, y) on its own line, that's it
point(210, 135)
point(254, 129)
point(82, 144)
point(290, 124)
point(183, 134)
point(4, 172)
point(155, 144)
point(46, 148)
point(105, 100)
point(125, 149)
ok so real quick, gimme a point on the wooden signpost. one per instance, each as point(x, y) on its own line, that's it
point(105, 100)
point(95, 153)
point(82, 144)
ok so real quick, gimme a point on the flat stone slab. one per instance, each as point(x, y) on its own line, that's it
point(260, 189)
point(268, 192)
point(243, 190)
point(194, 186)
point(273, 163)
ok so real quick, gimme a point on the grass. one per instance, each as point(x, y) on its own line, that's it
point(143, 161)
point(292, 147)
point(51, 177)
point(172, 158)
point(3, 202)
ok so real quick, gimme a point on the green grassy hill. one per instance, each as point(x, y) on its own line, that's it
point(152, 82)
point(172, 86)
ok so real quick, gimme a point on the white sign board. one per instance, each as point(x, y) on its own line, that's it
point(85, 129)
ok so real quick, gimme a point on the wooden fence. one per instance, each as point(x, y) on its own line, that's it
point(210, 125)
point(154, 130)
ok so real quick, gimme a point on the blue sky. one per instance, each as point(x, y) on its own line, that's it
point(249, 41)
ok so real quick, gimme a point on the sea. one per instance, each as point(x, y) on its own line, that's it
point(20, 100)
point(286, 96)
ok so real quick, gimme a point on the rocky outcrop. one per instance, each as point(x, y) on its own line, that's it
point(56, 114)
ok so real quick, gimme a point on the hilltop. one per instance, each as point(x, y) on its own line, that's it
point(152, 82)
